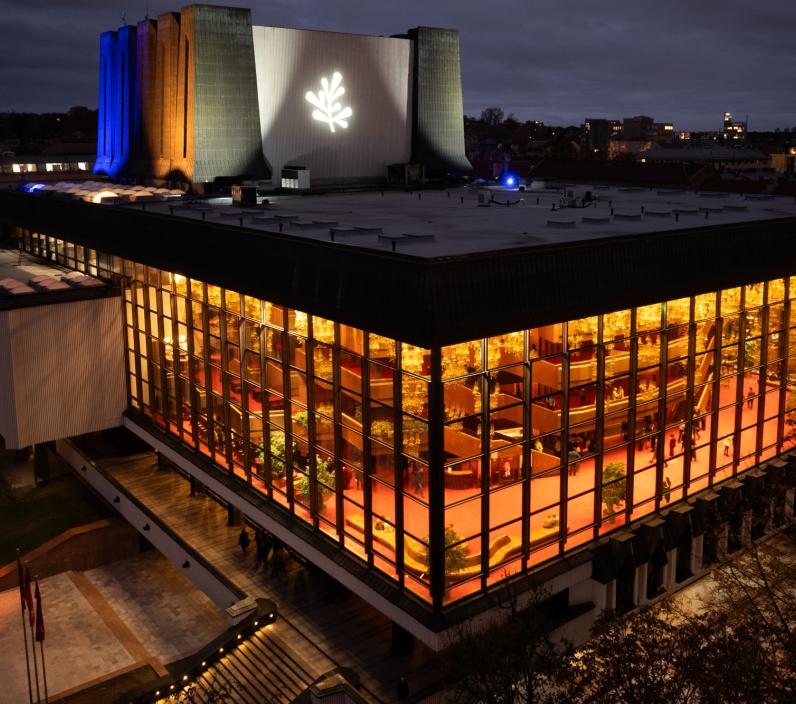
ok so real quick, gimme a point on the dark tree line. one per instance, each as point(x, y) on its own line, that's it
point(734, 645)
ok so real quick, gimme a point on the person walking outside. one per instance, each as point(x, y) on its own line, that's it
point(261, 550)
point(243, 539)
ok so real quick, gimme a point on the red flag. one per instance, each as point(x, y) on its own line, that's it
point(39, 616)
point(27, 597)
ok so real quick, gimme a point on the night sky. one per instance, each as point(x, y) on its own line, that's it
point(685, 61)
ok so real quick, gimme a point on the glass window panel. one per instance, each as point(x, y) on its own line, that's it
point(275, 315)
point(415, 437)
point(252, 337)
point(323, 330)
point(648, 318)
point(273, 377)
point(381, 423)
point(323, 359)
point(505, 464)
point(381, 383)
point(298, 322)
point(546, 341)
point(252, 308)
point(414, 395)
point(462, 398)
point(462, 359)
point(582, 333)
point(776, 317)
point(752, 353)
point(730, 301)
point(462, 480)
point(754, 295)
point(754, 323)
point(729, 361)
point(649, 350)
point(352, 339)
point(546, 377)
point(616, 325)
point(232, 301)
point(678, 312)
point(351, 372)
point(383, 462)
point(505, 349)
point(506, 386)
point(546, 414)
point(462, 438)
point(351, 409)
point(381, 349)
point(464, 518)
point(298, 386)
point(580, 512)
point(777, 290)
point(273, 346)
point(415, 359)
point(617, 358)
point(324, 397)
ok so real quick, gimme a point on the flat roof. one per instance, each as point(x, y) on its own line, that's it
point(27, 281)
point(442, 223)
point(480, 278)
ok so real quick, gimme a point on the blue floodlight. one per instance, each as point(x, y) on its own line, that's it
point(31, 187)
point(509, 180)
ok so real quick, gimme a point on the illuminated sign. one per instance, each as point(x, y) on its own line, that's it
point(327, 107)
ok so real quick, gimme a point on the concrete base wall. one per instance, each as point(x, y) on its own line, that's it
point(78, 549)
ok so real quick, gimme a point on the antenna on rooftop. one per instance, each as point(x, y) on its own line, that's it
point(124, 18)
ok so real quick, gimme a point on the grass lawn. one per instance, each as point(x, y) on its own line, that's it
point(31, 518)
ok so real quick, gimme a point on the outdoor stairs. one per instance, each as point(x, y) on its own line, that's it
point(259, 670)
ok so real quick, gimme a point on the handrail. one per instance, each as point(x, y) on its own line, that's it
point(153, 518)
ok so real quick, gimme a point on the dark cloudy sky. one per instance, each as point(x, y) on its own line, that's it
point(685, 61)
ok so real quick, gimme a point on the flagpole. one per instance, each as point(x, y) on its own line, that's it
point(35, 664)
point(24, 632)
point(40, 638)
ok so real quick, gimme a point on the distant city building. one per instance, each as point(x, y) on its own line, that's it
point(644, 129)
point(598, 132)
point(636, 129)
point(734, 131)
point(722, 158)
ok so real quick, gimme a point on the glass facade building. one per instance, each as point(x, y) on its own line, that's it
point(451, 468)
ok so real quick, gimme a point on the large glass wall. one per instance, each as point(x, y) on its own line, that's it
point(628, 412)
point(511, 450)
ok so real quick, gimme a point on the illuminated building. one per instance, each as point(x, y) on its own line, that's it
point(202, 96)
point(430, 418)
point(436, 397)
point(733, 131)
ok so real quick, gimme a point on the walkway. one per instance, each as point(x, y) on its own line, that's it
point(323, 624)
point(136, 613)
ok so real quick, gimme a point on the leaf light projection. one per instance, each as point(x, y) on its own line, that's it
point(327, 108)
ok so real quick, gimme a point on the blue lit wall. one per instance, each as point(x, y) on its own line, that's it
point(106, 121)
point(117, 122)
